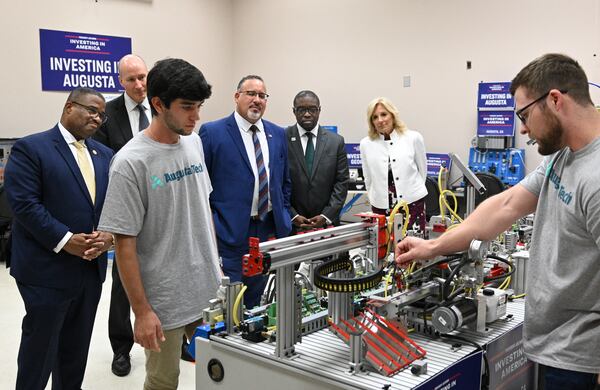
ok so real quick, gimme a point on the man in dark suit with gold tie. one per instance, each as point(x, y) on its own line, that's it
point(128, 115)
point(318, 167)
point(55, 183)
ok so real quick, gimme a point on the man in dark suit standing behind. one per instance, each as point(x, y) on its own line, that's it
point(318, 167)
point(128, 115)
point(246, 157)
point(56, 182)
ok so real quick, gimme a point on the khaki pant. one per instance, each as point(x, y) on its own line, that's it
point(162, 368)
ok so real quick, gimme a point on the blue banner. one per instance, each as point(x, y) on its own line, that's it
point(495, 96)
point(71, 60)
point(509, 367)
point(333, 129)
point(353, 154)
point(496, 123)
point(462, 375)
point(435, 161)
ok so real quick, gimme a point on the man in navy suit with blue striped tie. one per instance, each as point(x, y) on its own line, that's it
point(246, 157)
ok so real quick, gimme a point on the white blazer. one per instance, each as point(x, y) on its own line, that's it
point(406, 154)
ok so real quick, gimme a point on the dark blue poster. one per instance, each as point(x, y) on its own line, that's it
point(463, 375)
point(496, 123)
point(71, 60)
point(435, 161)
point(509, 367)
point(495, 96)
point(353, 154)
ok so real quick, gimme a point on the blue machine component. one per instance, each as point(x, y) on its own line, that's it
point(507, 164)
point(204, 331)
point(253, 328)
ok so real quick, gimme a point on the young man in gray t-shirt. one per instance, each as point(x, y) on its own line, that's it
point(157, 206)
point(562, 316)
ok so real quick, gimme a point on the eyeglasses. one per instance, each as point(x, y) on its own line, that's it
point(313, 110)
point(519, 113)
point(93, 111)
point(252, 94)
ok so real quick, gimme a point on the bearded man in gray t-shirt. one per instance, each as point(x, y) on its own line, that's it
point(157, 206)
point(562, 312)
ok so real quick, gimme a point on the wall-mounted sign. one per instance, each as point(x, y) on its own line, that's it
point(495, 96)
point(72, 60)
point(435, 161)
point(353, 154)
point(495, 123)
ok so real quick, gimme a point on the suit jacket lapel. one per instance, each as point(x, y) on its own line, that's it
point(321, 145)
point(296, 148)
point(123, 120)
point(65, 151)
point(98, 170)
point(234, 132)
point(269, 137)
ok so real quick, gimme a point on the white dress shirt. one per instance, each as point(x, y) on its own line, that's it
point(304, 138)
point(134, 113)
point(244, 127)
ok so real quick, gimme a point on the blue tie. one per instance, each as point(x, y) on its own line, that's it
point(143, 124)
point(263, 182)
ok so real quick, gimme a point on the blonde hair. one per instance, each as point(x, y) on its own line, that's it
point(399, 126)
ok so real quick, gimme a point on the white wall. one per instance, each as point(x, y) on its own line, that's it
point(348, 51)
point(196, 30)
point(351, 51)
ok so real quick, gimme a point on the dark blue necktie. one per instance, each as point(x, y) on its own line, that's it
point(143, 118)
point(263, 182)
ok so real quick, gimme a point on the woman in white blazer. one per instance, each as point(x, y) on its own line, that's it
point(394, 162)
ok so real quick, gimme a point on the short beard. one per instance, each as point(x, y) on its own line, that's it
point(552, 141)
point(253, 115)
point(173, 127)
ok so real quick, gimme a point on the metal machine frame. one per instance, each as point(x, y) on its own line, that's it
point(320, 359)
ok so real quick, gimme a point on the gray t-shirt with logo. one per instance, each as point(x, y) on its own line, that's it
point(159, 193)
point(562, 322)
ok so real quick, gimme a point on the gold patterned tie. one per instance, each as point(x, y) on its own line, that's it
point(86, 169)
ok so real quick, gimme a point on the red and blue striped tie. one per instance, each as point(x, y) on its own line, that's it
point(263, 181)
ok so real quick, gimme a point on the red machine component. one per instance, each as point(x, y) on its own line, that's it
point(253, 263)
point(383, 236)
point(496, 271)
point(439, 228)
point(389, 349)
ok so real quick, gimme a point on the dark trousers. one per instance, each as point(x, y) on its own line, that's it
point(120, 331)
point(232, 260)
point(552, 378)
point(56, 333)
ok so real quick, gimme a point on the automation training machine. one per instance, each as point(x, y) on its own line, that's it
point(355, 320)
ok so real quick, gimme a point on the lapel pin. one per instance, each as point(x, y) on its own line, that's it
point(293, 139)
point(94, 152)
